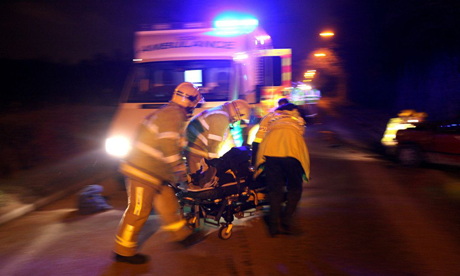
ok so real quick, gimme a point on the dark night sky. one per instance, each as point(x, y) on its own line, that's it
point(375, 40)
point(74, 30)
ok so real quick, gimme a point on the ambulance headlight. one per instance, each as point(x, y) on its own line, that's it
point(117, 146)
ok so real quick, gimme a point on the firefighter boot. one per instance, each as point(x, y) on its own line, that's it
point(136, 259)
point(192, 239)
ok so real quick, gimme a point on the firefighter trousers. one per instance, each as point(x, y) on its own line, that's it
point(141, 199)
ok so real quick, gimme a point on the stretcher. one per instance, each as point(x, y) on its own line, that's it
point(229, 193)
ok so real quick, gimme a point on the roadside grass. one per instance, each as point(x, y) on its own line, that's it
point(30, 139)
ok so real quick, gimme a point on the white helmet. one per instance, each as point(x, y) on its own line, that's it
point(188, 96)
point(239, 110)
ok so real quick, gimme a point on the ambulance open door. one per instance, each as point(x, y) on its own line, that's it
point(273, 76)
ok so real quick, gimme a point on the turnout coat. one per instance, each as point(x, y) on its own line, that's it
point(156, 155)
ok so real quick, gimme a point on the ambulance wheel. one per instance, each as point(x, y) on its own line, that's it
point(223, 233)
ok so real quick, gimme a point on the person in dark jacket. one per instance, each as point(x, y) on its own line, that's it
point(283, 157)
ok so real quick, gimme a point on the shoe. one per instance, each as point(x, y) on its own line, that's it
point(272, 228)
point(290, 230)
point(136, 259)
point(192, 239)
point(273, 233)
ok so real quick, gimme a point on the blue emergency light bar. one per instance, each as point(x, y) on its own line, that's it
point(231, 23)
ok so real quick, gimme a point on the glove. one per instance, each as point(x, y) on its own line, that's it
point(182, 186)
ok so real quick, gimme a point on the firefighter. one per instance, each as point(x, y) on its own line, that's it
point(154, 161)
point(283, 158)
point(207, 131)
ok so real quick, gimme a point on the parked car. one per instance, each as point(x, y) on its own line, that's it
point(407, 118)
point(431, 142)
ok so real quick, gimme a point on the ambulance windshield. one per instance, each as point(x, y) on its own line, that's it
point(156, 81)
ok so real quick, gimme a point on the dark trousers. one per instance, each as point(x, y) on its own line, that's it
point(280, 172)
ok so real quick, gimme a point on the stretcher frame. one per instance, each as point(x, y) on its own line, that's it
point(244, 202)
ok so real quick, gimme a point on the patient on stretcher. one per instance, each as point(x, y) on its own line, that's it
point(233, 166)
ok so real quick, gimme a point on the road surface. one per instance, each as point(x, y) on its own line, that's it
point(361, 215)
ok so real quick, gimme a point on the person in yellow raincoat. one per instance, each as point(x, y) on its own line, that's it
point(263, 128)
point(284, 159)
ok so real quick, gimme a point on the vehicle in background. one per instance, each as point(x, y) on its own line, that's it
point(408, 118)
point(431, 142)
point(228, 59)
point(306, 97)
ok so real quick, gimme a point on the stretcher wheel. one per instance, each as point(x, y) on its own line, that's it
point(192, 222)
point(223, 233)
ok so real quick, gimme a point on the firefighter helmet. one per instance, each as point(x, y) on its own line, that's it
point(188, 96)
point(239, 110)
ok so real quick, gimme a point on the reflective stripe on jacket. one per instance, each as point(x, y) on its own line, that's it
point(263, 127)
point(156, 153)
point(207, 131)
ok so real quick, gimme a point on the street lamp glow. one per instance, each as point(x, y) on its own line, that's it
point(320, 55)
point(326, 34)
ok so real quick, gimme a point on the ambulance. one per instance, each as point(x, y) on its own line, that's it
point(229, 58)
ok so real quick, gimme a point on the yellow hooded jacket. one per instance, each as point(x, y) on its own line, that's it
point(284, 138)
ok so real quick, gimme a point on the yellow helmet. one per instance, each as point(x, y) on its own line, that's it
point(188, 96)
point(239, 110)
